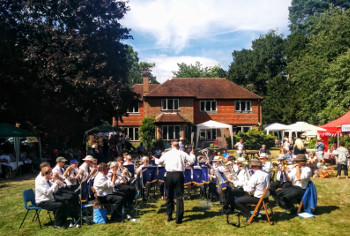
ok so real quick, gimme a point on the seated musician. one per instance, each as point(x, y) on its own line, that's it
point(258, 182)
point(44, 191)
point(300, 177)
point(104, 190)
point(237, 167)
point(88, 169)
point(217, 166)
point(282, 179)
point(128, 160)
point(123, 183)
point(72, 175)
point(233, 188)
point(267, 166)
point(64, 193)
point(145, 163)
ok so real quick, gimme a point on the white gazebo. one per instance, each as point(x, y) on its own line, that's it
point(277, 127)
point(213, 125)
point(301, 126)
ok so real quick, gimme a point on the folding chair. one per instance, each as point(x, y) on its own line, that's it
point(29, 196)
point(263, 202)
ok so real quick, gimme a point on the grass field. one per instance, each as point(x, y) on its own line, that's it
point(332, 217)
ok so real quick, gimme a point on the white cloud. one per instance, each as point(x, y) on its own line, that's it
point(173, 23)
point(165, 65)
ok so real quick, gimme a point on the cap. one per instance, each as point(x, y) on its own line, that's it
point(74, 161)
point(281, 157)
point(217, 158)
point(61, 159)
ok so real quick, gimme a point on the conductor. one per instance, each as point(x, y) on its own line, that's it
point(174, 161)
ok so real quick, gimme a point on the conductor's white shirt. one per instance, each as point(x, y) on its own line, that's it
point(175, 160)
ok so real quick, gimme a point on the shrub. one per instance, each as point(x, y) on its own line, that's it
point(253, 139)
point(147, 131)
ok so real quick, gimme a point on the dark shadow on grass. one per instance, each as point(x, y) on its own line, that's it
point(205, 215)
point(4, 186)
point(325, 209)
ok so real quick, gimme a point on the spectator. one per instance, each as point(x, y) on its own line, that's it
point(341, 159)
point(320, 150)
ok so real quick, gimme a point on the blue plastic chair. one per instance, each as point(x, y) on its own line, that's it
point(29, 196)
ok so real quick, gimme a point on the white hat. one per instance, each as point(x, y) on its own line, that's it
point(89, 158)
point(217, 158)
point(129, 157)
point(281, 157)
point(241, 160)
point(112, 164)
point(263, 155)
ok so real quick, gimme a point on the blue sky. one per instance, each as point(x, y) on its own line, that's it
point(167, 32)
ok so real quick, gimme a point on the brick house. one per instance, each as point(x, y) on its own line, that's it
point(181, 103)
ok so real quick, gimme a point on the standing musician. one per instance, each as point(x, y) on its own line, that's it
point(104, 190)
point(282, 179)
point(175, 161)
point(256, 186)
point(300, 177)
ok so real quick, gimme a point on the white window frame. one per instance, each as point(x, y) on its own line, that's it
point(134, 110)
point(165, 102)
point(133, 133)
point(238, 106)
point(207, 133)
point(243, 127)
point(174, 132)
point(205, 102)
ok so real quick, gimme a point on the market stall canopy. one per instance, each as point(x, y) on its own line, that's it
point(7, 130)
point(302, 126)
point(102, 129)
point(276, 127)
point(213, 125)
point(333, 128)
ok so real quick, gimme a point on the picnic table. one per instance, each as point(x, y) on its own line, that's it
point(252, 154)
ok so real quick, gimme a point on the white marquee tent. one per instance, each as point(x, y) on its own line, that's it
point(213, 125)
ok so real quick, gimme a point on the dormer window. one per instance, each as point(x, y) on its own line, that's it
point(169, 104)
point(134, 108)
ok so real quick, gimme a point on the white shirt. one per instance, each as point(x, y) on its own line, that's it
point(43, 190)
point(239, 146)
point(305, 175)
point(258, 182)
point(267, 167)
point(243, 178)
point(175, 160)
point(58, 170)
point(71, 176)
point(103, 185)
point(86, 170)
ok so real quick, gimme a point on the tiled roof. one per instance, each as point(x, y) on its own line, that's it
point(201, 88)
point(138, 88)
point(170, 118)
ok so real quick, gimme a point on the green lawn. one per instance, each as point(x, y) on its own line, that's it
point(332, 218)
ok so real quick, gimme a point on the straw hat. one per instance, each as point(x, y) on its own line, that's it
point(89, 158)
point(263, 155)
point(281, 157)
point(217, 158)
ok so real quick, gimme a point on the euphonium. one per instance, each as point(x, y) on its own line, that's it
point(230, 173)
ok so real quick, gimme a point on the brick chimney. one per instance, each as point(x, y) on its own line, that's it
point(145, 80)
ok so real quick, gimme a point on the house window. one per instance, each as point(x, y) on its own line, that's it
point(133, 133)
point(171, 132)
point(134, 108)
point(170, 104)
point(244, 129)
point(243, 106)
point(208, 134)
point(208, 106)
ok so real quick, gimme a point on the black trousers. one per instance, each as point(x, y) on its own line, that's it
point(230, 194)
point(70, 200)
point(288, 196)
point(340, 167)
point(242, 204)
point(278, 184)
point(59, 210)
point(114, 199)
point(175, 183)
point(130, 193)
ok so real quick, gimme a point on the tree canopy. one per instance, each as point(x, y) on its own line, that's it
point(63, 66)
point(198, 71)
